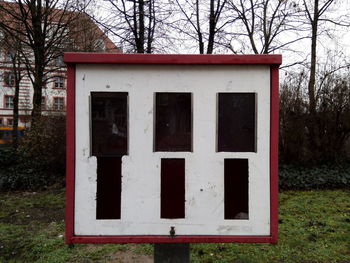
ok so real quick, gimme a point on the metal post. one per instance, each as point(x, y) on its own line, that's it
point(172, 253)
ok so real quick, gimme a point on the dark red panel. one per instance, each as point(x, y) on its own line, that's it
point(168, 239)
point(236, 188)
point(109, 121)
point(112, 58)
point(172, 188)
point(108, 197)
point(236, 122)
point(173, 122)
point(274, 124)
point(70, 152)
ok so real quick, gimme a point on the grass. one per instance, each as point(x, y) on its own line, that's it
point(314, 227)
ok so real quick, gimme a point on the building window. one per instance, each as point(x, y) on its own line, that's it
point(43, 103)
point(100, 45)
point(1, 121)
point(9, 56)
point(8, 102)
point(59, 61)
point(59, 82)
point(9, 79)
point(9, 122)
point(58, 103)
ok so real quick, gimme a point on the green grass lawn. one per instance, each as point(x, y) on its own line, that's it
point(314, 227)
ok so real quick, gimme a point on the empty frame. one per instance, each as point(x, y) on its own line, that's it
point(236, 188)
point(109, 142)
point(173, 122)
point(172, 188)
point(109, 123)
point(236, 122)
point(108, 196)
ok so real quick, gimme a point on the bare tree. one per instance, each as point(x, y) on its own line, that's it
point(42, 28)
point(317, 12)
point(201, 21)
point(135, 23)
point(13, 47)
point(265, 25)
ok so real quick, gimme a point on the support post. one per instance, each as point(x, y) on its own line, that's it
point(172, 253)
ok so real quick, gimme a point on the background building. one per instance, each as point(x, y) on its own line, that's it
point(84, 36)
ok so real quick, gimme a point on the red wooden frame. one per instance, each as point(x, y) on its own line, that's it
point(107, 58)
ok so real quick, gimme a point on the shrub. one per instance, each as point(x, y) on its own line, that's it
point(320, 137)
point(40, 158)
point(318, 177)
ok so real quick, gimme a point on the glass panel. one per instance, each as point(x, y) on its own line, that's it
point(236, 122)
point(173, 125)
point(109, 123)
point(236, 188)
point(172, 188)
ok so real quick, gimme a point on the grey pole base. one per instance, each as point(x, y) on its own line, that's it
point(172, 253)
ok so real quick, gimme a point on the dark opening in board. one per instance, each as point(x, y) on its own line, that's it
point(109, 142)
point(109, 123)
point(172, 188)
point(236, 188)
point(236, 122)
point(108, 198)
point(173, 123)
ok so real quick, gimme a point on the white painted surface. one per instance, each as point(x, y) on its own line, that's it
point(140, 209)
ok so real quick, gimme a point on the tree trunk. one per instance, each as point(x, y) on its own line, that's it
point(212, 25)
point(312, 80)
point(15, 113)
point(141, 38)
point(312, 124)
point(199, 32)
point(37, 96)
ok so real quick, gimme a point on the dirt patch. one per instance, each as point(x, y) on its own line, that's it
point(130, 257)
point(30, 214)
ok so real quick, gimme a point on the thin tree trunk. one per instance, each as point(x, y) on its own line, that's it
point(312, 124)
point(15, 114)
point(141, 46)
point(212, 25)
point(199, 32)
point(37, 96)
point(312, 80)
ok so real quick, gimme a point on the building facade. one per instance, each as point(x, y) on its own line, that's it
point(85, 36)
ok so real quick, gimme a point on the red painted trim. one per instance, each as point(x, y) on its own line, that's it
point(115, 58)
point(273, 60)
point(274, 126)
point(167, 239)
point(70, 153)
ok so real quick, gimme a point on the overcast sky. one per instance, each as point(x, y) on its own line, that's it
point(334, 41)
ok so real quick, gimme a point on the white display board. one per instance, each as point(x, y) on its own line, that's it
point(204, 166)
